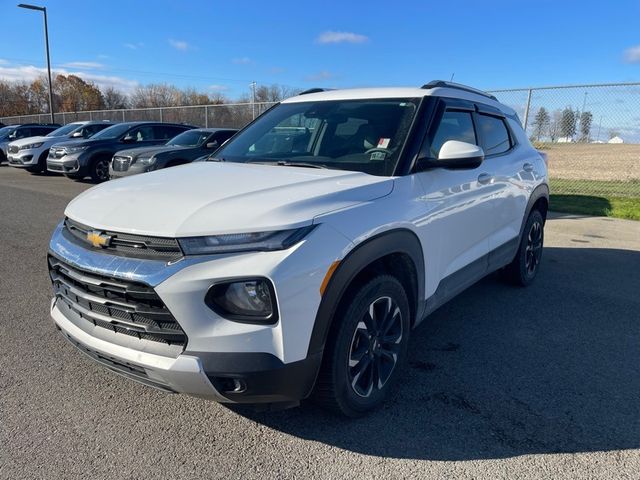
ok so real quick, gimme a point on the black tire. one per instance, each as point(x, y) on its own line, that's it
point(361, 362)
point(523, 269)
point(42, 163)
point(99, 170)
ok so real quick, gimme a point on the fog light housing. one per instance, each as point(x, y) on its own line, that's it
point(250, 300)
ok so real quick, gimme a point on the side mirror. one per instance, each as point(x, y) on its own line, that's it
point(77, 135)
point(213, 144)
point(455, 155)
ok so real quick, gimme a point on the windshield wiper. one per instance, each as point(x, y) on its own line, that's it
point(283, 163)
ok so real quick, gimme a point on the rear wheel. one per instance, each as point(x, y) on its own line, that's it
point(100, 170)
point(366, 348)
point(524, 267)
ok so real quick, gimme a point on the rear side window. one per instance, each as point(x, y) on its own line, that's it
point(166, 132)
point(455, 125)
point(494, 134)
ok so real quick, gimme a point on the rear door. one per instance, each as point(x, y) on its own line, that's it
point(505, 162)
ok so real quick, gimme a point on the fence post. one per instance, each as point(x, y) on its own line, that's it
point(526, 111)
point(123, 115)
point(161, 115)
point(206, 116)
point(63, 119)
point(90, 115)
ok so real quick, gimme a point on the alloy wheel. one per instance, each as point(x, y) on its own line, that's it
point(375, 346)
point(533, 250)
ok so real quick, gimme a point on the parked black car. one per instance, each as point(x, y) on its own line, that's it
point(11, 133)
point(81, 158)
point(182, 149)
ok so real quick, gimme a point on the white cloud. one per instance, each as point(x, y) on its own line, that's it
point(134, 46)
point(632, 54)
point(179, 44)
point(218, 88)
point(322, 75)
point(84, 65)
point(29, 73)
point(341, 37)
point(241, 61)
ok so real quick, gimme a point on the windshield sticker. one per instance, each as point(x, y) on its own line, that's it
point(377, 156)
point(383, 142)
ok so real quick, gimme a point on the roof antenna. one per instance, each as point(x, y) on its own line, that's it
point(452, 75)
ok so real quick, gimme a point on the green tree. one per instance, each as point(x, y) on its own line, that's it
point(568, 123)
point(586, 118)
point(540, 123)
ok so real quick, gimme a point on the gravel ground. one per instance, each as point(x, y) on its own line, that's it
point(503, 382)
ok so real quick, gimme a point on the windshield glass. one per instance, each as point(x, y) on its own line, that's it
point(190, 138)
point(358, 135)
point(6, 131)
point(115, 131)
point(64, 130)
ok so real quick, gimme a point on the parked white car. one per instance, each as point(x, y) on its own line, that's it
point(296, 262)
point(31, 153)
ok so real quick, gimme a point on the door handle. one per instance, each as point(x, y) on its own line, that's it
point(485, 178)
point(527, 167)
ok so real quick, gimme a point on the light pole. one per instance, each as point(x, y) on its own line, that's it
point(46, 42)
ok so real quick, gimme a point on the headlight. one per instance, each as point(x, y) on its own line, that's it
point(31, 145)
point(242, 242)
point(146, 161)
point(248, 300)
point(75, 149)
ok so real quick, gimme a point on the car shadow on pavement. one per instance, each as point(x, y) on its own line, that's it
point(503, 371)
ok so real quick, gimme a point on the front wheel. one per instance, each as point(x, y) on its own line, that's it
point(524, 267)
point(366, 349)
point(100, 170)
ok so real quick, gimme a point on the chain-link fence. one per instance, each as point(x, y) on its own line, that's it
point(231, 115)
point(590, 133)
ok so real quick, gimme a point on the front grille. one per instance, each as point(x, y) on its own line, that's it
point(53, 166)
point(121, 164)
point(13, 149)
point(128, 308)
point(125, 244)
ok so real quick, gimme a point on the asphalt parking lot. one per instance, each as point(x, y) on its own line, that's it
point(503, 382)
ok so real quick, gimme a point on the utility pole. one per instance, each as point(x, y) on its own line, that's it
point(253, 99)
point(46, 43)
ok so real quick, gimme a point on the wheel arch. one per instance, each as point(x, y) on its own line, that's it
point(539, 199)
point(397, 252)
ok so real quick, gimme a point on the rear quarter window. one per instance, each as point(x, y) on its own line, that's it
point(494, 134)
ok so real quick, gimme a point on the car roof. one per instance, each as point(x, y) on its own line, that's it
point(398, 92)
point(215, 129)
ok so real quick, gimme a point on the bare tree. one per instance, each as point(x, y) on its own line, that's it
point(114, 99)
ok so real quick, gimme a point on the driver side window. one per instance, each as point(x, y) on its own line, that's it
point(455, 125)
point(142, 134)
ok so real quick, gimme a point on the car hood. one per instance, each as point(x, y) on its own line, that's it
point(28, 140)
point(149, 151)
point(212, 198)
point(85, 143)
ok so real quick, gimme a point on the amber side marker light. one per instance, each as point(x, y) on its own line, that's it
point(327, 277)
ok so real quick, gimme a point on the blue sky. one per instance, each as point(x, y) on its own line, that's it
point(223, 46)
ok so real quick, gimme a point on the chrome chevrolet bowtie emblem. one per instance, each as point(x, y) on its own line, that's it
point(98, 239)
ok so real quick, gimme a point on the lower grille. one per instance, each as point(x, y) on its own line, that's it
point(126, 308)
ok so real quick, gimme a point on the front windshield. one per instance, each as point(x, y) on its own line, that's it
point(6, 131)
point(116, 131)
point(357, 135)
point(190, 138)
point(60, 132)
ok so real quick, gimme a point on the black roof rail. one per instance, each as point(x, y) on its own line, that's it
point(458, 86)
point(315, 90)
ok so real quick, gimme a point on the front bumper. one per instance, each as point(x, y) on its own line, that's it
point(23, 159)
point(133, 169)
point(223, 360)
point(69, 164)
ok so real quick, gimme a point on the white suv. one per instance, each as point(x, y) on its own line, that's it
point(297, 262)
point(31, 153)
